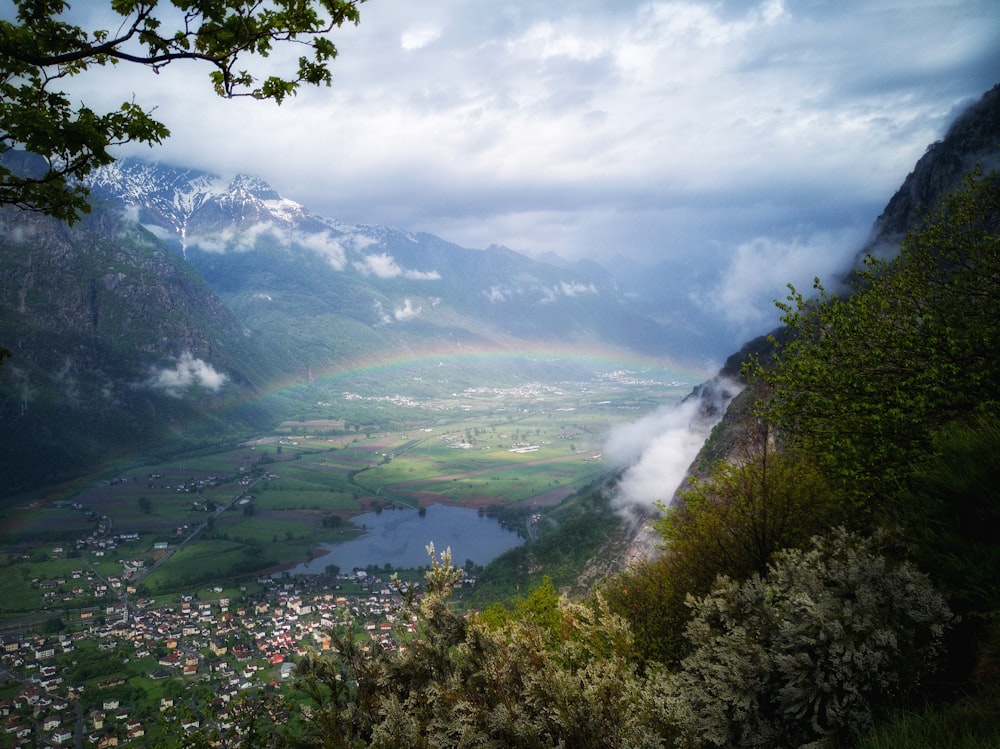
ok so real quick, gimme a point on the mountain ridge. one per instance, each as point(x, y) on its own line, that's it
point(106, 328)
point(391, 275)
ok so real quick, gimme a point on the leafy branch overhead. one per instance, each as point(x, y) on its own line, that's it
point(41, 48)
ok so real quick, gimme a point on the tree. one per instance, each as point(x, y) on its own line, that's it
point(42, 48)
point(557, 673)
point(866, 379)
point(731, 523)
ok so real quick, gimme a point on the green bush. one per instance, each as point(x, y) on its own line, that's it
point(815, 650)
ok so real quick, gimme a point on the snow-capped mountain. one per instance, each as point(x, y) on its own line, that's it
point(278, 266)
point(172, 201)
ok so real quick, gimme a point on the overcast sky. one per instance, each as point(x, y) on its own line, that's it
point(736, 133)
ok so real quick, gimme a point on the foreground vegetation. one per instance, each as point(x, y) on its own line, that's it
point(835, 582)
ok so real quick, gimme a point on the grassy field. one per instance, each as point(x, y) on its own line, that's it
point(271, 501)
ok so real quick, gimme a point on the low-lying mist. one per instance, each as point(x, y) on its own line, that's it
point(657, 450)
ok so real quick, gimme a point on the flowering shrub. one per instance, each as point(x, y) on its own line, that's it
point(809, 652)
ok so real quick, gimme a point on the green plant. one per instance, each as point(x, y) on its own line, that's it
point(42, 48)
point(866, 379)
point(829, 639)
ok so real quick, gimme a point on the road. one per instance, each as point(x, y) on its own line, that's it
point(194, 533)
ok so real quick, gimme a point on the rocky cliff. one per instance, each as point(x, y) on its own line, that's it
point(972, 141)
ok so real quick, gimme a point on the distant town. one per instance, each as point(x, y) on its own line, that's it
point(229, 646)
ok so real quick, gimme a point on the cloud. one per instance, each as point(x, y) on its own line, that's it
point(498, 293)
point(651, 129)
point(229, 240)
point(324, 244)
point(758, 273)
point(384, 318)
point(384, 265)
point(189, 371)
point(550, 294)
point(406, 311)
point(575, 288)
point(418, 37)
point(658, 449)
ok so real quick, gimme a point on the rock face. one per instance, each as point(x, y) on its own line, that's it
point(973, 139)
point(116, 345)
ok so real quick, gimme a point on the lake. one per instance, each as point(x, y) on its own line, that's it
point(400, 538)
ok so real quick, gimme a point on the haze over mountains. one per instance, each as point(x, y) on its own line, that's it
point(232, 229)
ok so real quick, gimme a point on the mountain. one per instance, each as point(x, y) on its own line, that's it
point(972, 140)
point(335, 289)
point(117, 346)
point(161, 319)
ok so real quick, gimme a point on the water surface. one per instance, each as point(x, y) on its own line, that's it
point(400, 538)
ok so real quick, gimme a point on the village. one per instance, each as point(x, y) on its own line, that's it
point(185, 663)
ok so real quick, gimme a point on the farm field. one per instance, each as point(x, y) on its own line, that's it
point(209, 519)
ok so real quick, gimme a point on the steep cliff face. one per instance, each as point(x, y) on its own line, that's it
point(116, 344)
point(973, 139)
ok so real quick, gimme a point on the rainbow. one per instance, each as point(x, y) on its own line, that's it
point(384, 365)
point(16, 518)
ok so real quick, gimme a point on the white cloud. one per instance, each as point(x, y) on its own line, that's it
point(323, 244)
point(384, 317)
point(759, 271)
point(418, 37)
point(384, 265)
point(406, 311)
point(651, 129)
point(188, 371)
point(546, 39)
point(575, 288)
point(498, 294)
point(659, 448)
point(228, 240)
point(359, 242)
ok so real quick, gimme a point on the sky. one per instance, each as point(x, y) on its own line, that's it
point(759, 139)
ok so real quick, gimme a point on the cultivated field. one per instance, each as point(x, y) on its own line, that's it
point(254, 508)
